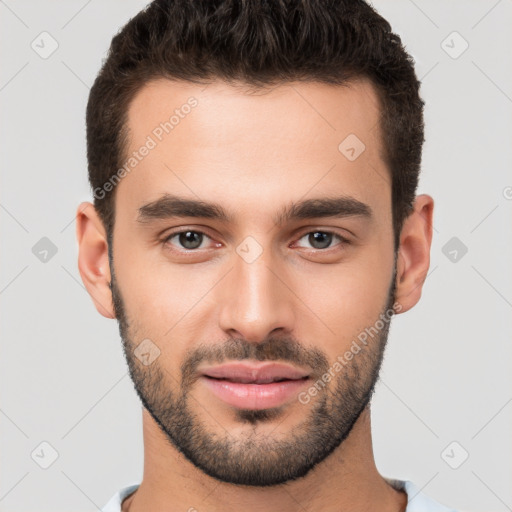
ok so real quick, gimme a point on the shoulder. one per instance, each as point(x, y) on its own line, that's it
point(417, 501)
point(114, 504)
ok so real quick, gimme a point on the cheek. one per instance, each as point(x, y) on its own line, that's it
point(346, 300)
point(163, 299)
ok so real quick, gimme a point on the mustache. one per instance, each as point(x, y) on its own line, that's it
point(238, 349)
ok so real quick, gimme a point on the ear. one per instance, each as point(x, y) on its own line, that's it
point(93, 262)
point(414, 253)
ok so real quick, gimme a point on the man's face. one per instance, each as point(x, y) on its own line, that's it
point(254, 287)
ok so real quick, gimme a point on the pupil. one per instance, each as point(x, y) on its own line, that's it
point(190, 239)
point(324, 239)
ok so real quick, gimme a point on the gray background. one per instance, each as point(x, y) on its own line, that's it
point(447, 372)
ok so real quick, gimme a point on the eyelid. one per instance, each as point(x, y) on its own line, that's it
point(314, 229)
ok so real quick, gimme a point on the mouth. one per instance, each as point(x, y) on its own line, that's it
point(247, 373)
point(248, 380)
point(250, 386)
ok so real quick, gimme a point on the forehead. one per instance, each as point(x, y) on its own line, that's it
point(220, 109)
point(226, 141)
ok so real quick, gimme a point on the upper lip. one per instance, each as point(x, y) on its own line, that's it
point(252, 373)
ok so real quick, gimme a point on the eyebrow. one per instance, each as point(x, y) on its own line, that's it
point(171, 206)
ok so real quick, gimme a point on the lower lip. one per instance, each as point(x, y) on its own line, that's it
point(254, 396)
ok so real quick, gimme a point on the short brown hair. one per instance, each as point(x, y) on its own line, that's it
point(259, 43)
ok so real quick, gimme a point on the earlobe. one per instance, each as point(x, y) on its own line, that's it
point(93, 263)
point(414, 253)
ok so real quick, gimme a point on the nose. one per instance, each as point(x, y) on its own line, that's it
point(256, 299)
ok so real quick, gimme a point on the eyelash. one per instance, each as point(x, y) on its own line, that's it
point(169, 236)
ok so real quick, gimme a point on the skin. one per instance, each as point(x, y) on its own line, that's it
point(235, 149)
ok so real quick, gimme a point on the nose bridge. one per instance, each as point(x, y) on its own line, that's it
point(255, 300)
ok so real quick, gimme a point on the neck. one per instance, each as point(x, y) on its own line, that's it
point(346, 480)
